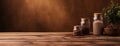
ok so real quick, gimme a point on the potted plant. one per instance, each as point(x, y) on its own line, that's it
point(112, 19)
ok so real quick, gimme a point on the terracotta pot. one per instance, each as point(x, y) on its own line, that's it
point(108, 31)
point(111, 31)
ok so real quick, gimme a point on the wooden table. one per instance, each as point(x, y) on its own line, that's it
point(55, 39)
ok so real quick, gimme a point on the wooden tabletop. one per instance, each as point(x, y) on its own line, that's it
point(55, 39)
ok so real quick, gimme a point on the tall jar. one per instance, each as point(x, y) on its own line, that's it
point(98, 24)
point(85, 26)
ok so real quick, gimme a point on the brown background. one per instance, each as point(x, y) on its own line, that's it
point(46, 15)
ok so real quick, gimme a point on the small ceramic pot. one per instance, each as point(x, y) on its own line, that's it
point(111, 31)
point(108, 31)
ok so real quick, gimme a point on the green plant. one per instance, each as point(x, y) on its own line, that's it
point(112, 14)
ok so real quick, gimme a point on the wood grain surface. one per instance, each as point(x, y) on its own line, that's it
point(55, 39)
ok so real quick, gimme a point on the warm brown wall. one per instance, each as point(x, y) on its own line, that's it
point(46, 15)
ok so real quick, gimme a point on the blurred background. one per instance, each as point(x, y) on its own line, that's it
point(46, 15)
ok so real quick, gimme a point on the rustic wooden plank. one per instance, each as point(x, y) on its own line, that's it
point(28, 42)
point(55, 39)
point(58, 38)
point(33, 33)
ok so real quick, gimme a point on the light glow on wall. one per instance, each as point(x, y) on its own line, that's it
point(38, 14)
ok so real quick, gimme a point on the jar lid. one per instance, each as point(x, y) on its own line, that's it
point(98, 16)
point(77, 27)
